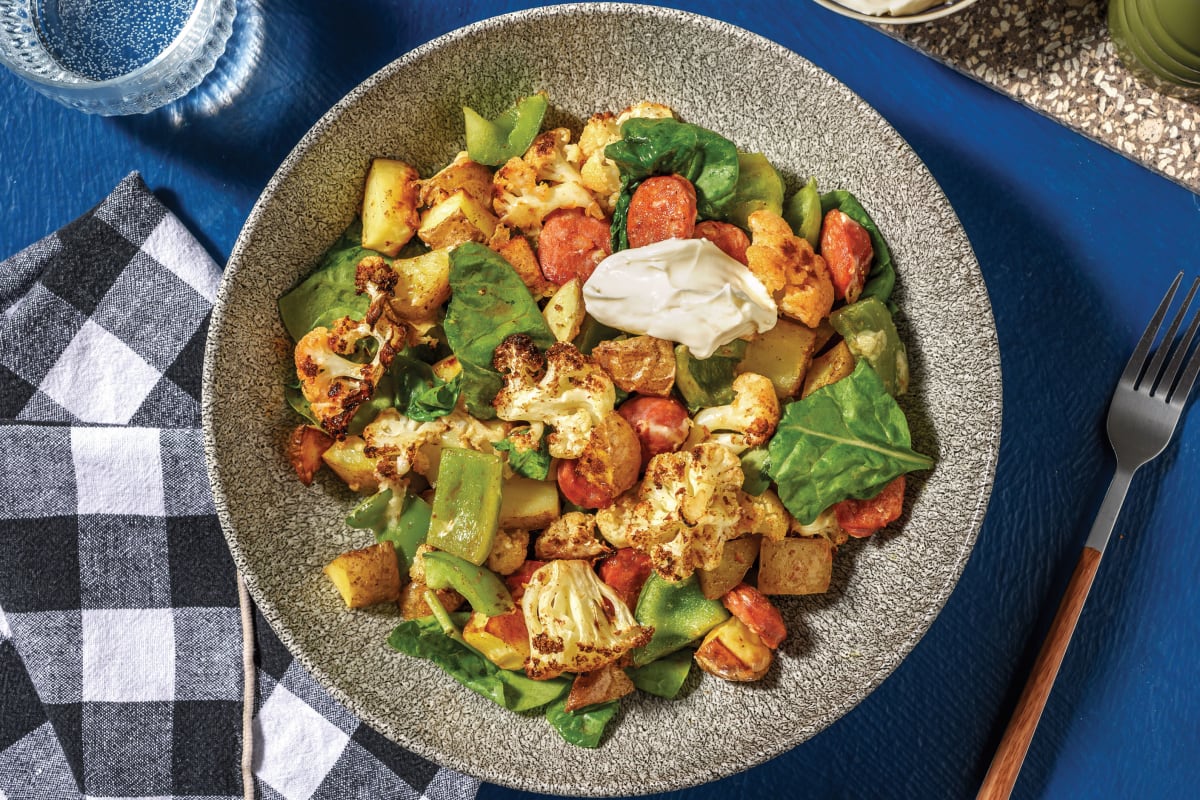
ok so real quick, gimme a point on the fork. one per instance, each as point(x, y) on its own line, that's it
point(1145, 409)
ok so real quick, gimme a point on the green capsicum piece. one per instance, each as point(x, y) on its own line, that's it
point(870, 333)
point(803, 212)
point(707, 382)
point(495, 141)
point(403, 521)
point(679, 613)
point(664, 677)
point(466, 503)
point(759, 187)
point(486, 593)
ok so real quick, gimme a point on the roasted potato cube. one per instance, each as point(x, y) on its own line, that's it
point(734, 652)
point(564, 311)
point(795, 565)
point(736, 559)
point(413, 605)
point(598, 686)
point(503, 639)
point(448, 368)
point(829, 367)
point(781, 354)
point(518, 252)
point(389, 212)
point(348, 461)
point(509, 549)
point(423, 286)
point(526, 504)
point(306, 446)
point(642, 364)
point(460, 174)
point(455, 220)
point(367, 576)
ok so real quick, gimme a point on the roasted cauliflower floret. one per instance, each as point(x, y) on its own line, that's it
point(573, 535)
point(338, 371)
point(795, 276)
point(599, 173)
point(396, 441)
point(687, 506)
point(564, 389)
point(526, 189)
point(749, 421)
point(409, 290)
point(764, 515)
point(576, 622)
point(508, 551)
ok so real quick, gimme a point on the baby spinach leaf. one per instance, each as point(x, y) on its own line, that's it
point(664, 677)
point(423, 638)
point(882, 277)
point(582, 728)
point(668, 146)
point(488, 304)
point(328, 293)
point(534, 463)
point(848, 439)
point(420, 394)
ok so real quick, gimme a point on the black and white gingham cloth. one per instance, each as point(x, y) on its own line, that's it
point(125, 640)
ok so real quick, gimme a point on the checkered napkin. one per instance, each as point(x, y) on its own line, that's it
point(125, 635)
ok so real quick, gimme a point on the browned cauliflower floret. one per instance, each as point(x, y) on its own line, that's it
point(333, 383)
point(573, 535)
point(795, 276)
point(508, 551)
point(564, 389)
point(687, 506)
point(404, 445)
point(526, 189)
point(749, 421)
point(763, 514)
point(576, 622)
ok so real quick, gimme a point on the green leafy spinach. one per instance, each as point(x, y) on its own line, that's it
point(848, 439)
point(328, 294)
point(488, 304)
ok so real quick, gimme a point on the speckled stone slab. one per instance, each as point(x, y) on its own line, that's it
point(1056, 57)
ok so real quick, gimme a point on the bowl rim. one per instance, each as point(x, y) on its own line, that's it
point(945, 10)
point(271, 612)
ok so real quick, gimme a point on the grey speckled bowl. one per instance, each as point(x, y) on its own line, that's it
point(886, 590)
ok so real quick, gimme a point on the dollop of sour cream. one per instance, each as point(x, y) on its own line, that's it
point(682, 290)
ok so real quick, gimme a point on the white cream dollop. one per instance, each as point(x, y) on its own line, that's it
point(683, 290)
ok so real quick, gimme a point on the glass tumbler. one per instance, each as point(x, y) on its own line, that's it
point(114, 57)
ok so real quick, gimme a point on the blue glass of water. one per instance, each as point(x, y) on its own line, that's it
point(114, 56)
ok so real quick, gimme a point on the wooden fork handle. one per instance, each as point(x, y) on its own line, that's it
point(1006, 764)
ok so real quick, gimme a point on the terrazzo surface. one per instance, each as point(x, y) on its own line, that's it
point(1056, 57)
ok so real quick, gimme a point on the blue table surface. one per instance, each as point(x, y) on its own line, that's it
point(1076, 244)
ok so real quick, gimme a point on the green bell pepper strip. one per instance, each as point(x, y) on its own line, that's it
point(870, 333)
point(403, 521)
point(495, 141)
point(679, 613)
point(466, 503)
point(486, 593)
point(803, 212)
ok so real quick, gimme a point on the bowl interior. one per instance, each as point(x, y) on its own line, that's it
point(594, 57)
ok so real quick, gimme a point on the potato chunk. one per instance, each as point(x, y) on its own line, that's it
point(457, 219)
point(526, 504)
point(389, 212)
point(642, 364)
point(736, 559)
point(795, 566)
point(781, 354)
point(348, 461)
point(564, 312)
point(366, 576)
point(829, 367)
point(460, 174)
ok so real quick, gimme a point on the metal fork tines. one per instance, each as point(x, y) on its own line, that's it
point(1145, 410)
point(1148, 402)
